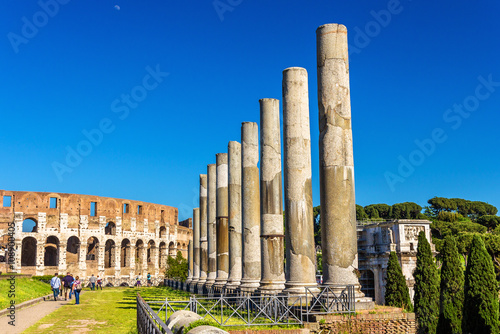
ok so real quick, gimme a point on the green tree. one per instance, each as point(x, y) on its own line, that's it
point(480, 313)
point(177, 267)
point(490, 221)
point(360, 213)
point(451, 297)
point(317, 224)
point(396, 290)
point(406, 210)
point(371, 211)
point(426, 300)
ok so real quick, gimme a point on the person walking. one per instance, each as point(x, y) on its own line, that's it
point(77, 288)
point(149, 279)
point(55, 284)
point(92, 281)
point(138, 281)
point(67, 280)
point(99, 283)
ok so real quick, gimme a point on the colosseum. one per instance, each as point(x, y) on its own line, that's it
point(114, 238)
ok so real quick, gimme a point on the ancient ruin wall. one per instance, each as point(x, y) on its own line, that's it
point(114, 238)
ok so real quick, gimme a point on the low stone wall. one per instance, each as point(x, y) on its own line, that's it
point(271, 331)
point(365, 323)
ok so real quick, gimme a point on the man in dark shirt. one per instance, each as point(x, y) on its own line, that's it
point(67, 280)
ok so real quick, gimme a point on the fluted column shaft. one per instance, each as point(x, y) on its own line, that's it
point(250, 207)
point(299, 231)
point(234, 163)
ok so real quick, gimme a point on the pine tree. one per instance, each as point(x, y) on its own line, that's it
point(480, 313)
point(426, 301)
point(452, 290)
point(396, 290)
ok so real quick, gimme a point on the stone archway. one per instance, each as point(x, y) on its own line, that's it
point(30, 225)
point(139, 256)
point(125, 253)
point(51, 254)
point(162, 256)
point(73, 253)
point(110, 229)
point(171, 249)
point(109, 254)
point(28, 252)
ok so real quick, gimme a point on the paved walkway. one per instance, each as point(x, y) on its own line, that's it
point(28, 316)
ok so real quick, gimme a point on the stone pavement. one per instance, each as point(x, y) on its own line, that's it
point(28, 316)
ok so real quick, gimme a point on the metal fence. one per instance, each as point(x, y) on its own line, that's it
point(235, 308)
point(148, 322)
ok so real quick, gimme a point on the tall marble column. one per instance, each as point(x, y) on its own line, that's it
point(195, 252)
point(271, 207)
point(222, 221)
point(211, 217)
point(203, 232)
point(299, 231)
point(338, 205)
point(189, 278)
point(250, 207)
point(234, 163)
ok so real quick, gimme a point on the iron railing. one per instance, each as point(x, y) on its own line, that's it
point(330, 299)
point(148, 322)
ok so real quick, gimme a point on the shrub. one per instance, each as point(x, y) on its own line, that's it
point(396, 290)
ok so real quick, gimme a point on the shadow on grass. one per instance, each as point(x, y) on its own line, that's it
point(150, 294)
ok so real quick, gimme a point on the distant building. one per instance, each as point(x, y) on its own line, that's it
point(376, 240)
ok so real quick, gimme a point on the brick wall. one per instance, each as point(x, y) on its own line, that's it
point(379, 323)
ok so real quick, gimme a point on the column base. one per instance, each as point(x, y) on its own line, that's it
point(248, 285)
point(298, 289)
point(271, 288)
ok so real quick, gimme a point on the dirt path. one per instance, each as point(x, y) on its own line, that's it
point(27, 317)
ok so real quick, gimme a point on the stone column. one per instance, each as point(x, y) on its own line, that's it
point(62, 258)
point(100, 257)
point(82, 259)
point(271, 207)
point(132, 261)
point(195, 251)
point(250, 206)
point(299, 231)
point(40, 257)
point(144, 260)
point(189, 278)
point(156, 266)
point(203, 232)
point(338, 206)
point(234, 166)
point(117, 261)
point(211, 231)
point(222, 221)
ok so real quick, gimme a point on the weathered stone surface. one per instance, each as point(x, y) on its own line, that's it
point(211, 221)
point(189, 278)
point(73, 233)
point(271, 209)
point(299, 231)
point(234, 166)
point(181, 319)
point(203, 231)
point(338, 205)
point(250, 207)
point(222, 221)
point(207, 330)
point(196, 246)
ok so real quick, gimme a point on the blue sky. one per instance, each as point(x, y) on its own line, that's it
point(68, 69)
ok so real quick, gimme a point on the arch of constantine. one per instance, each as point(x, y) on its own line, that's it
point(114, 238)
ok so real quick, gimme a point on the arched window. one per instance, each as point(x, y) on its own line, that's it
point(110, 229)
point(51, 256)
point(125, 253)
point(163, 232)
point(92, 249)
point(28, 252)
point(30, 225)
point(73, 250)
point(109, 254)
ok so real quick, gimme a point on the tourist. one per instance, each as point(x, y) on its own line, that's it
point(55, 284)
point(149, 279)
point(99, 282)
point(92, 281)
point(67, 280)
point(138, 281)
point(77, 288)
point(71, 286)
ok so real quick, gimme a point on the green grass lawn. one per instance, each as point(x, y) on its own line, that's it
point(112, 310)
point(26, 289)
